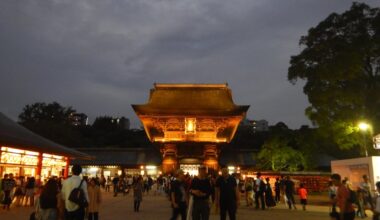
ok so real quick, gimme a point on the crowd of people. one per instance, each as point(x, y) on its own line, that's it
point(353, 203)
point(189, 196)
point(19, 189)
point(196, 197)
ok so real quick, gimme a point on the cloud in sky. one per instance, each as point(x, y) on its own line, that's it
point(101, 56)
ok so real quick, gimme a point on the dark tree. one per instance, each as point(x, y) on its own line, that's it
point(340, 63)
point(51, 121)
point(106, 123)
point(40, 111)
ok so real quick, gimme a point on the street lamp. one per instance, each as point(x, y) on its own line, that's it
point(364, 127)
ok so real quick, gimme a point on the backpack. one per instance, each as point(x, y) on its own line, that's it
point(248, 187)
point(77, 196)
point(262, 186)
point(352, 198)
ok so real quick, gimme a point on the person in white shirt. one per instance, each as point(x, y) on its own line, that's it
point(72, 210)
point(365, 187)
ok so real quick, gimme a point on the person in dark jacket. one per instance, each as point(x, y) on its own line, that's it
point(277, 190)
point(259, 192)
point(49, 200)
point(227, 195)
point(29, 191)
point(178, 196)
point(269, 201)
point(115, 182)
point(289, 191)
point(138, 193)
point(201, 190)
point(7, 186)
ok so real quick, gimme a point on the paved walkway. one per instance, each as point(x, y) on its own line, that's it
point(157, 207)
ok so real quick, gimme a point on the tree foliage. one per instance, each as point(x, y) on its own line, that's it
point(277, 155)
point(106, 123)
point(340, 63)
point(54, 122)
point(41, 111)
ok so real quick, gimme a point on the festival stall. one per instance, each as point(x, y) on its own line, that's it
point(24, 153)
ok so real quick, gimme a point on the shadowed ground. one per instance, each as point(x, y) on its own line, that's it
point(157, 207)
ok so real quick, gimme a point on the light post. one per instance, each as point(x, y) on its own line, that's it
point(364, 127)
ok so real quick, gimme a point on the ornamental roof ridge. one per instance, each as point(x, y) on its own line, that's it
point(190, 85)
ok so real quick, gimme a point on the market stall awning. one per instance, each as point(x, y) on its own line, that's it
point(14, 135)
point(121, 156)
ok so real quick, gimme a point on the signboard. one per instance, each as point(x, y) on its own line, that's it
point(376, 142)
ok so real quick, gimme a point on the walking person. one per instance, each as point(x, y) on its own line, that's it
point(347, 211)
point(249, 191)
point(332, 196)
point(72, 210)
point(178, 196)
point(277, 190)
point(201, 190)
point(289, 192)
point(365, 187)
point(29, 191)
point(95, 199)
point(360, 204)
point(259, 192)
point(376, 210)
point(269, 201)
point(1, 190)
point(138, 193)
point(49, 201)
point(108, 183)
point(115, 182)
point(20, 191)
point(302, 192)
point(102, 181)
point(227, 195)
point(7, 186)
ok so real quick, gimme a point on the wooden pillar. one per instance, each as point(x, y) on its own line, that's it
point(66, 173)
point(39, 168)
point(1, 166)
point(169, 154)
point(210, 153)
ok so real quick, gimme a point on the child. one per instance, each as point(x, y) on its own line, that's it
point(302, 192)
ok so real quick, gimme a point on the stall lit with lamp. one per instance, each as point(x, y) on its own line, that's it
point(121, 161)
point(24, 153)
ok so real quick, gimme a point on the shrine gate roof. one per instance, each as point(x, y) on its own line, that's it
point(190, 99)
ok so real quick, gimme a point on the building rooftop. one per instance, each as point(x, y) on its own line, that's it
point(190, 99)
point(121, 156)
point(14, 135)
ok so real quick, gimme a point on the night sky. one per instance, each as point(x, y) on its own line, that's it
point(102, 56)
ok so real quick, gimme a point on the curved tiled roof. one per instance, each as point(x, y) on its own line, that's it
point(121, 156)
point(190, 99)
point(14, 135)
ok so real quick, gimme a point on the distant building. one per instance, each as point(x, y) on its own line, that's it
point(79, 119)
point(260, 125)
point(255, 125)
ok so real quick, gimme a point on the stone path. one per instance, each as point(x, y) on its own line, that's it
point(157, 207)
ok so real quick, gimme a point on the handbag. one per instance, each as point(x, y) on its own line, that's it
point(190, 208)
point(36, 215)
point(77, 196)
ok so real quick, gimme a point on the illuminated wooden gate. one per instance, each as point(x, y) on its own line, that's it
point(201, 114)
